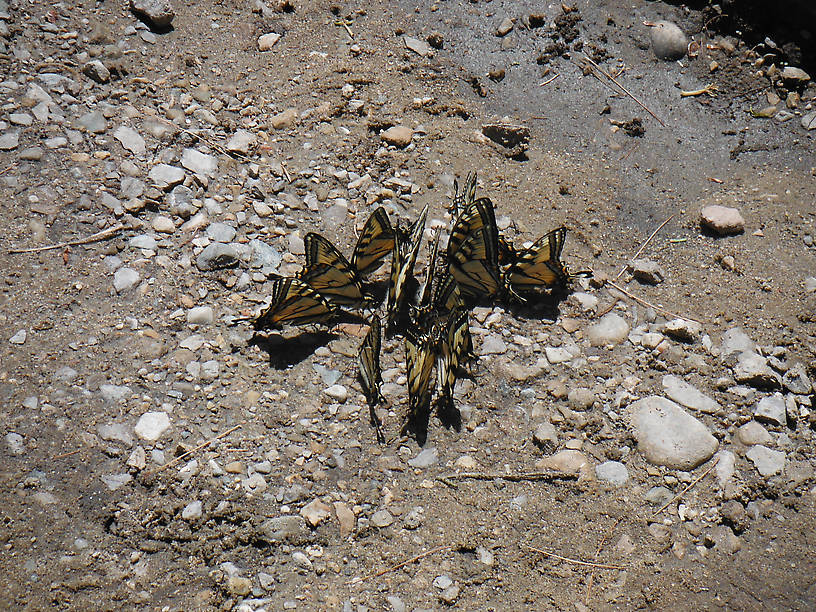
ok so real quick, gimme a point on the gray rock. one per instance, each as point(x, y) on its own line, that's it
point(143, 241)
point(735, 341)
point(612, 329)
point(56, 142)
point(114, 393)
point(493, 345)
point(130, 139)
point(722, 220)
point(96, 71)
point(192, 511)
point(382, 518)
point(329, 377)
point(301, 560)
point(794, 75)
point(152, 425)
point(726, 467)
point(658, 496)
point(32, 153)
point(216, 256)
point(771, 409)
point(115, 432)
point(221, 232)
point(505, 27)
point(581, 398)
point(263, 255)
point(612, 472)
point(668, 41)
point(334, 216)
point(397, 605)
point(199, 163)
point(66, 374)
point(283, 528)
point(19, 337)
point(442, 582)
point(159, 13)
point(725, 540)
point(753, 369)
point(768, 462)
point(165, 176)
point(125, 279)
point(420, 47)
point(200, 315)
point(668, 435)
point(809, 120)
point(546, 437)
point(116, 481)
point(647, 271)
point(93, 122)
point(23, 119)
point(210, 370)
point(137, 459)
point(15, 443)
point(796, 380)
point(426, 458)
point(180, 200)
point(267, 581)
point(9, 141)
point(241, 142)
point(267, 41)
point(338, 393)
point(682, 330)
point(689, 396)
point(753, 433)
point(131, 187)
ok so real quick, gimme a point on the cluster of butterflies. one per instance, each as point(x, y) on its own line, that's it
point(477, 266)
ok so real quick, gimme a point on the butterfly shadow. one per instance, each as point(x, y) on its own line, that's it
point(449, 415)
point(543, 306)
point(285, 352)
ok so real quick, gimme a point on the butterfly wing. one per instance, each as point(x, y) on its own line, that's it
point(329, 273)
point(376, 241)
point(473, 252)
point(406, 249)
point(463, 199)
point(295, 303)
point(419, 357)
point(540, 265)
point(370, 372)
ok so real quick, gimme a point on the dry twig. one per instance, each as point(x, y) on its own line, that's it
point(710, 89)
point(427, 553)
point(193, 450)
point(576, 561)
point(595, 558)
point(550, 80)
point(105, 233)
point(623, 89)
point(643, 246)
point(525, 476)
point(649, 304)
point(686, 489)
point(64, 455)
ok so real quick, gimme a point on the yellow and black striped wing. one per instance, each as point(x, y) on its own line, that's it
point(473, 252)
point(295, 303)
point(446, 296)
point(329, 273)
point(455, 349)
point(376, 241)
point(463, 199)
point(419, 357)
point(540, 265)
point(406, 249)
point(369, 356)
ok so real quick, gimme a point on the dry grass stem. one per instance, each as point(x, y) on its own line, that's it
point(623, 89)
point(685, 490)
point(193, 450)
point(105, 233)
point(427, 553)
point(576, 561)
point(649, 304)
point(643, 246)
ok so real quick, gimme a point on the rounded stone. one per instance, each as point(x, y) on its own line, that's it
point(399, 136)
point(612, 472)
point(722, 220)
point(612, 329)
point(668, 41)
point(668, 435)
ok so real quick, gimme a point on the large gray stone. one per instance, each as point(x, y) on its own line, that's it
point(735, 341)
point(612, 329)
point(689, 396)
point(771, 409)
point(159, 13)
point(199, 163)
point(130, 139)
point(283, 528)
point(165, 176)
point(668, 435)
point(216, 256)
point(768, 462)
point(752, 369)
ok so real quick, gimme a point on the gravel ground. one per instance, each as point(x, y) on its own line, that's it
point(646, 442)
